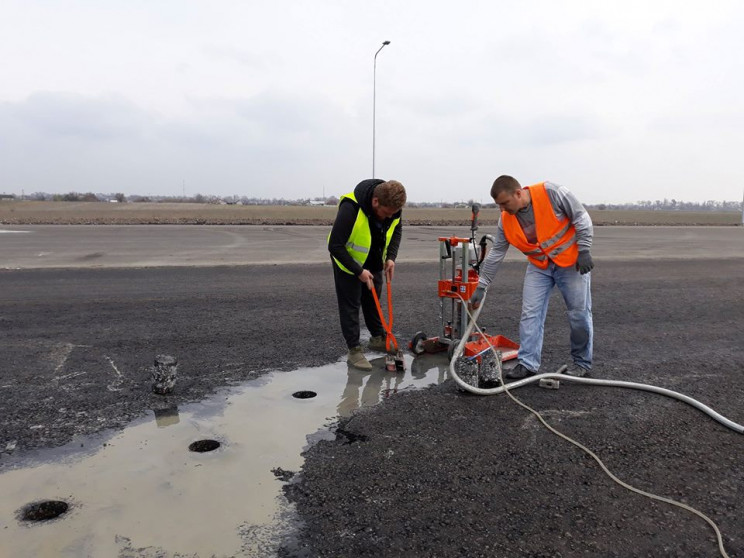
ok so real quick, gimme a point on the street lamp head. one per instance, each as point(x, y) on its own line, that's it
point(385, 42)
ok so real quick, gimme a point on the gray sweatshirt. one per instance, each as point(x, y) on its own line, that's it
point(565, 204)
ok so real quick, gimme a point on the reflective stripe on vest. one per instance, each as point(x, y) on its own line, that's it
point(360, 239)
point(351, 247)
point(556, 238)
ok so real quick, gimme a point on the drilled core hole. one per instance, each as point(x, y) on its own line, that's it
point(304, 394)
point(41, 511)
point(202, 446)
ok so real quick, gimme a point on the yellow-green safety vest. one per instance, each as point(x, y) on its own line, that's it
point(360, 239)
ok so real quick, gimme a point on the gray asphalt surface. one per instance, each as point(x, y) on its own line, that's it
point(429, 473)
point(86, 246)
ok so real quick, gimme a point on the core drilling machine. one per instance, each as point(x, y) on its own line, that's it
point(459, 264)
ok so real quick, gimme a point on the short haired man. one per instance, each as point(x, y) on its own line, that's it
point(364, 243)
point(551, 227)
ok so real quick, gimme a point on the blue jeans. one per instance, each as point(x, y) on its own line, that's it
point(576, 291)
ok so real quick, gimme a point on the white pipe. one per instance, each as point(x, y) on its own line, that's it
point(589, 381)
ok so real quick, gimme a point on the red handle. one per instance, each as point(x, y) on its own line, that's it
point(390, 340)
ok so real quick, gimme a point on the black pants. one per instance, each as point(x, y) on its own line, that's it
point(351, 294)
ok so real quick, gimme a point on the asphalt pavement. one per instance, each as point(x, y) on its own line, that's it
point(91, 246)
point(434, 472)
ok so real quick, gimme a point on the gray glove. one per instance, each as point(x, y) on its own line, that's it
point(584, 263)
point(477, 298)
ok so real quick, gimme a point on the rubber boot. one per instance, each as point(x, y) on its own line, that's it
point(357, 359)
point(574, 369)
point(377, 343)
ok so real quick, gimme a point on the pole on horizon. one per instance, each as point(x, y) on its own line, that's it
point(374, 99)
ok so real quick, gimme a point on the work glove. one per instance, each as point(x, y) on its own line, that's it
point(584, 263)
point(477, 298)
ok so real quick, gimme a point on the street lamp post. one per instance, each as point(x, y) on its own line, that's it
point(374, 98)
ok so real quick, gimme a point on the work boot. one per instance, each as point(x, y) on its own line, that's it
point(357, 359)
point(377, 343)
point(518, 372)
point(576, 370)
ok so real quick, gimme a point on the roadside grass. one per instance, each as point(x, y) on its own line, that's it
point(99, 213)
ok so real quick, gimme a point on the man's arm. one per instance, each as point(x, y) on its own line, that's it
point(566, 203)
point(392, 249)
point(490, 265)
point(495, 256)
point(340, 233)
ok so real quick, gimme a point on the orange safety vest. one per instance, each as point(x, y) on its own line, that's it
point(556, 238)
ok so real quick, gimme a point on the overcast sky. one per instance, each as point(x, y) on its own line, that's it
point(619, 101)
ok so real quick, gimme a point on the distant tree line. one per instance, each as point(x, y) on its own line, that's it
point(672, 205)
point(657, 205)
point(197, 198)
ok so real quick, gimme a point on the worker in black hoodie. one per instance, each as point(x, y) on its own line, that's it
point(363, 244)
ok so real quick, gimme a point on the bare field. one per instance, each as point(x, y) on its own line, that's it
point(92, 213)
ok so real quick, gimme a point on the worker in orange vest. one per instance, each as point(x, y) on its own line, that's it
point(548, 224)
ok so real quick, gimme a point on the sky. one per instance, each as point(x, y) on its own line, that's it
point(620, 101)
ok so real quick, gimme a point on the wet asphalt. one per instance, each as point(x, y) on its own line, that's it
point(427, 473)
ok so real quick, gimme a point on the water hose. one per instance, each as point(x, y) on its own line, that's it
point(588, 381)
point(504, 388)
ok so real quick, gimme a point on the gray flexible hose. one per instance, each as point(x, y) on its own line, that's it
point(589, 381)
point(507, 389)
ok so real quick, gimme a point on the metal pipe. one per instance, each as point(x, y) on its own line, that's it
point(374, 101)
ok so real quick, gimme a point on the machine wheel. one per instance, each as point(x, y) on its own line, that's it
point(417, 343)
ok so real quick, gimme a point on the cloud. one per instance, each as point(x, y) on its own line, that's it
point(439, 104)
point(248, 59)
point(712, 121)
point(276, 97)
point(270, 145)
point(68, 115)
point(504, 131)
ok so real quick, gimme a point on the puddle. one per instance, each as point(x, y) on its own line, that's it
point(144, 493)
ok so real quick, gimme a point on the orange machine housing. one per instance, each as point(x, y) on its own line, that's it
point(460, 288)
point(507, 347)
point(451, 288)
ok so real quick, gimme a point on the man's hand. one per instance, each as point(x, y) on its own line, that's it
point(389, 269)
point(584, 263)
point(477, 298)
point(366, 276)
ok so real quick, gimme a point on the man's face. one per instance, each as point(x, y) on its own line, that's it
point(382, 212)
point(510, 202)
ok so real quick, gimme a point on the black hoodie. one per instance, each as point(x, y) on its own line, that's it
point(345, 219)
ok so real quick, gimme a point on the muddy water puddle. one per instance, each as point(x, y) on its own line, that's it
point(200, 481)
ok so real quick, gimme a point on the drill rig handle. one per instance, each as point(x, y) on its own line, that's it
point(474, 227)
point(474, 220)
point(482, 251)
point(445, 249)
